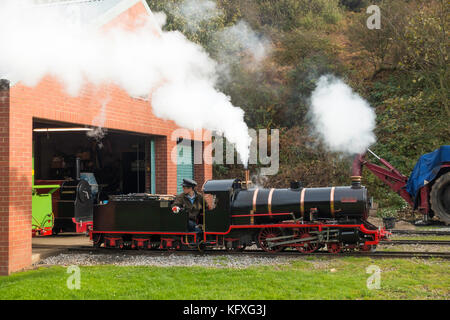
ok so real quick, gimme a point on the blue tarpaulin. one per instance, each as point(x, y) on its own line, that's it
point(426, 169)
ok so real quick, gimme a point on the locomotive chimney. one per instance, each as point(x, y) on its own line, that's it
point(357, 166)
point(357, 170)
point(77, 169)
point(356, 182)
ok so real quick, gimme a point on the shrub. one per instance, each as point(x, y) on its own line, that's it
point(387, 213)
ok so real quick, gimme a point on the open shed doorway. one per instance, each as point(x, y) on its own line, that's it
point(118, 160)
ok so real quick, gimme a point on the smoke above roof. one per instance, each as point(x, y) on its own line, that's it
point(176, 75)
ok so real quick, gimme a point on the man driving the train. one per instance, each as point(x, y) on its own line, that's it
point(191, 202)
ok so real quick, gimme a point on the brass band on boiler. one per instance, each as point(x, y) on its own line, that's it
point(269, 201)
point(332, 201)
point(252, 212)
point(302, 202)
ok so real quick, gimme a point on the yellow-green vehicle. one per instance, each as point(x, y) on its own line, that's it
point(42, 209)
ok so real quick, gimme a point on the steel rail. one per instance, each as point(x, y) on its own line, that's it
point(419, 242)
point(422, 232)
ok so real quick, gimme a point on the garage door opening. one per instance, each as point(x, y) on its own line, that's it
point(111, 162)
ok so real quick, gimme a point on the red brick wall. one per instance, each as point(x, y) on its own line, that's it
point(166, 169)
point(203, 171)
point(130, 19)
point(15, 206)
point(4, 176)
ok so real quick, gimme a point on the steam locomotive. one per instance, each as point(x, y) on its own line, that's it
point(304, 219)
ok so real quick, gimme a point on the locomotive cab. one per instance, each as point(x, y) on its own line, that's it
point(218, 218)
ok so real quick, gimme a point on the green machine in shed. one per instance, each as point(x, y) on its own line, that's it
point(42, 209)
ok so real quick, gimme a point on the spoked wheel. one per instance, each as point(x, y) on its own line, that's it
point(306, 246)
point(269, 233)
point(334, 247)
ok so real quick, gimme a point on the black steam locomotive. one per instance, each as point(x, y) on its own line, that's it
point(305, 219)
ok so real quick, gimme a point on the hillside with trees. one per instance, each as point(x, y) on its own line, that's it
point(400, 69)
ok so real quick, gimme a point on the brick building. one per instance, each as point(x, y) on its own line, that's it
point(24, 109)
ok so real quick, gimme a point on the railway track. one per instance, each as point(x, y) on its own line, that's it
point(419, 242)
point(421, 232)
point(378, 254)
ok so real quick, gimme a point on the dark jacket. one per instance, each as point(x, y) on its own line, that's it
point(194, 209)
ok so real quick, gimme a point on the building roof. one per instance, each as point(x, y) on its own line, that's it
point(95, 12)
point(92, 11)
point(87, 10)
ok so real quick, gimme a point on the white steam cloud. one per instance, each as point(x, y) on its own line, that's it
point(99, 132)
point(230, 45)
point(343, 119)
point(194, 12)
point(177, 75)
point(241, 40)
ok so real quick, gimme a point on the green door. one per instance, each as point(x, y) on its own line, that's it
point(185, 163)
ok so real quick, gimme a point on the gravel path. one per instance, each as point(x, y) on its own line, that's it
point(172, 260)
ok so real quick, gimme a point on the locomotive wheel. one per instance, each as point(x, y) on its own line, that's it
point(114, 242)
point(307, 247)
point(98, 241)
point(176, 245)
point(268, 233)
point(334, 247)
point(201, 246)
point(440, 198)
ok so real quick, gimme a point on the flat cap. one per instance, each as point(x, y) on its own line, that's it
point(189, 183)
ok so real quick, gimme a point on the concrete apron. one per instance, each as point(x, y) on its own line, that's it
point(44, 247)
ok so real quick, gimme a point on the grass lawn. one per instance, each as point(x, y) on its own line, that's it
point(305, 278)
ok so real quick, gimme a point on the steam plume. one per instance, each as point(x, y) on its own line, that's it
point(343, 119)
point(180, 76)
point(194, 12)
point(237, 43)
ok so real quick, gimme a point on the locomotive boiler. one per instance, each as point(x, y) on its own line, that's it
point(236, 216)
point(308, 204)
